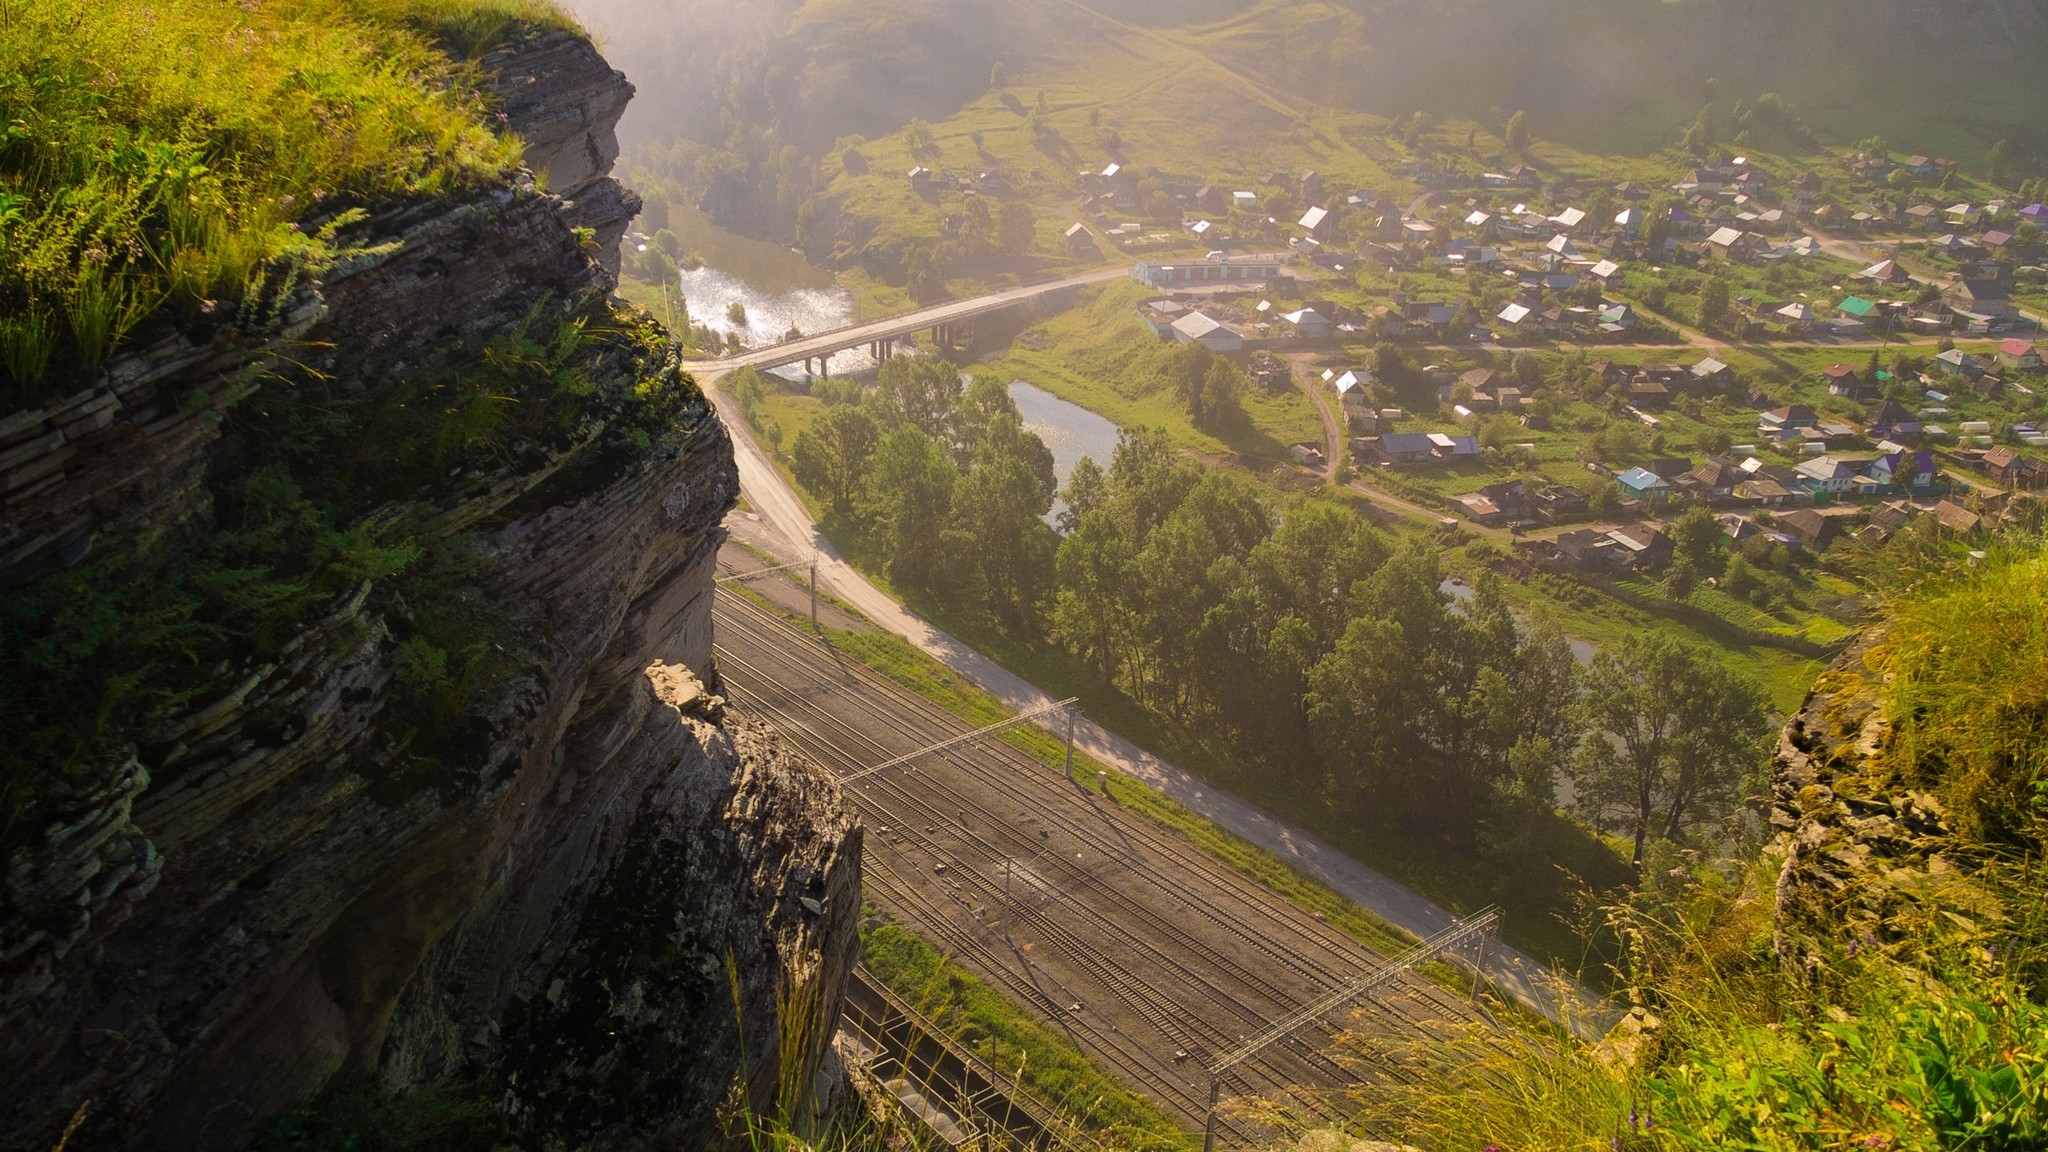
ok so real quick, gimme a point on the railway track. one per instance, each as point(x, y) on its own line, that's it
point(1147, 953)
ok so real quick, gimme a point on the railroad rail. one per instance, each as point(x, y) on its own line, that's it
point(1198, 961)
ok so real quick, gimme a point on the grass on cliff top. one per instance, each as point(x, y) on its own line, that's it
point(1967, 661)
point(156, 158)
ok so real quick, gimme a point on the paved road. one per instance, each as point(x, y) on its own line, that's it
point(795, 534)
point(839, 339)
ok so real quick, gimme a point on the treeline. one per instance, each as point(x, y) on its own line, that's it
point(941, 478)
point(1303, 637)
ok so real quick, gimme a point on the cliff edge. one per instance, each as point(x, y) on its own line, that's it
point(418, 772)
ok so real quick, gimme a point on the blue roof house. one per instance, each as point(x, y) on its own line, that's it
point(1645, 485)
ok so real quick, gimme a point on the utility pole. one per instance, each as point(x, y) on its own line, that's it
point(814, 595)
point(1209, 1125)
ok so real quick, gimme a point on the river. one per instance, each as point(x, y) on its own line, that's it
point(777, 287)
point(1070, 430)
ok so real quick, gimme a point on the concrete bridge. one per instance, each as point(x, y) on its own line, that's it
point(879, 336)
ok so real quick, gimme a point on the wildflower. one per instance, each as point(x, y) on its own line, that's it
point(1634, 1119)
point(1614, 1143)
point(206, 307)
point(503, 118)
point(286, 200)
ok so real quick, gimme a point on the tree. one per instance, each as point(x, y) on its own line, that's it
point(921, 274)
point(998, 78)
point(921, 392)
point(1017, 227)
point(1713, 300)
point(997, 509)
point(918, 138)
point(1670, 735)
point(977, 226)
point(1090, 613)
point(1082, 495)
point(1998, 162)
point(1696, 538)
point(831, 456)
point(909, 495)
point(1516, 135)
point(654, 210)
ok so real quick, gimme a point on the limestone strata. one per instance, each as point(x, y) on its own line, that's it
point(264, 900)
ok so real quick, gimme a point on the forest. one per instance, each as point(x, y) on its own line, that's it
point(1326, 649)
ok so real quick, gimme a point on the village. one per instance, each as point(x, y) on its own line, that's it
point(1669, 287)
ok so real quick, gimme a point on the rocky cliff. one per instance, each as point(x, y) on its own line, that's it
point(442, 788)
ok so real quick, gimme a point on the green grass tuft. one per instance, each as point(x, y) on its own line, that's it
point(154, 158)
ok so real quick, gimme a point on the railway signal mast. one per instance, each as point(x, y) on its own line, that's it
point(1472, 931)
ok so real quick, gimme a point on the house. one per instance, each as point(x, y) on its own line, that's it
point(1714, 480)
point(1307, 455)
point(1308, 324)
point(1644, 392)
point(1843, 380)
point(1856, 307)
point(1617, 318)
point(1814, 529)
point(1606, 272)
point(1590, 549)
point(1448, 448)
point(1562, 500)
point(1797, 314)
point(1955, 362)
point(1514, 314)
point(1733, 243)
point(2021, 354)
point(1399, 449)
point(1642, 546)
point(1350, 387)
point(1079, 239)
point(1316, 222)
point(1956, 518)
point(1890, 421)
point(1497, 503)
point(1196, 328)
point(1644, 485)
point(1831, 475)
point(1709, 371)
point(1980, 297)
point(1781, 422)
point(1913, 471)
point(2013, 469)
point(1886, 272)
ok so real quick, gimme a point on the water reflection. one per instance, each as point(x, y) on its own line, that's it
point(710, 293)
point(1070, 430)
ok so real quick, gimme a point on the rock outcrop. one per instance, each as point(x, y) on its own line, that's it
point(283, 888)
point(1869, 860)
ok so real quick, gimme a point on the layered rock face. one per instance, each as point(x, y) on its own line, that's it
point(276, 892)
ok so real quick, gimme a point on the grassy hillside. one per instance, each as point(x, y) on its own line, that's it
point(157, 158)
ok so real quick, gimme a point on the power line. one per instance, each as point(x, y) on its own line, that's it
point(963, 738)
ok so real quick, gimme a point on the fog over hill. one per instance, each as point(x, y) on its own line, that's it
point(1940, 76)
